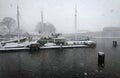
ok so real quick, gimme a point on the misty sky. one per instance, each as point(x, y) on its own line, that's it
point(93, 15)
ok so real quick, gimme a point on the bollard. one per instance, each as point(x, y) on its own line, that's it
point(60, 45)
point(114, 43)
point(101, 59)
point(34, 47)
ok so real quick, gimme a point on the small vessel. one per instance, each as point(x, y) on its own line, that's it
point(61, 42)
point(13, 41)
point(15, 44)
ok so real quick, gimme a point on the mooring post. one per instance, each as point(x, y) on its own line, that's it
point(60, 45)
point(101, 59)
point(34, 47)
point(114, 43)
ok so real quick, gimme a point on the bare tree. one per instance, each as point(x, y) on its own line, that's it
point(3, 29)
point(10, 23)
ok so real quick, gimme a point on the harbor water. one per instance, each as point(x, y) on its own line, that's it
point(63, 63)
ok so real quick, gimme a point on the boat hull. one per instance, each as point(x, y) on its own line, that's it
point(62, 47)
point(13, 49)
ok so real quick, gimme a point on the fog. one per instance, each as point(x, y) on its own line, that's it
point(92, 15)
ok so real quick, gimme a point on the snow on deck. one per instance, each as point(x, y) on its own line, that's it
point(13, 49)
point(66, 46)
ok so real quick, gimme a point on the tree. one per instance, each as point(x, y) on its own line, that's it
point(10, 23)
point(46, 28)
point(8, 27)
point(3, 29)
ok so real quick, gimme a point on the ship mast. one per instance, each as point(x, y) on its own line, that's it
point(75, 22)
point(41, 15)
point(18, 24)
point(42, 21)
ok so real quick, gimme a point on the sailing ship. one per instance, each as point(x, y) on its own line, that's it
point(59, 42)
point(15, 43)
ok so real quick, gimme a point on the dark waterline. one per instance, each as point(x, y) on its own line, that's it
point(63, 63)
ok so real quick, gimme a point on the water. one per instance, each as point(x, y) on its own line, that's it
point(62, 63)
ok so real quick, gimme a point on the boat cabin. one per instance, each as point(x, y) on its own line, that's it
point(59, 41)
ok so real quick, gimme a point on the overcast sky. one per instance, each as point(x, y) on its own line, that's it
point(93, 15)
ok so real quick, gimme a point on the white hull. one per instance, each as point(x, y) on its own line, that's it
point(13, 49)
point(65, 46)
point(19, 47)
point(44, 47)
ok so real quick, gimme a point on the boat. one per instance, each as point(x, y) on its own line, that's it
point(61, 42)
point(56, 41)
point(13, 41)
point(15, 44)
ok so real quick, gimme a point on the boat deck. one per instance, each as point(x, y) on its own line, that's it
point(66, 46)
point(13, 49)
